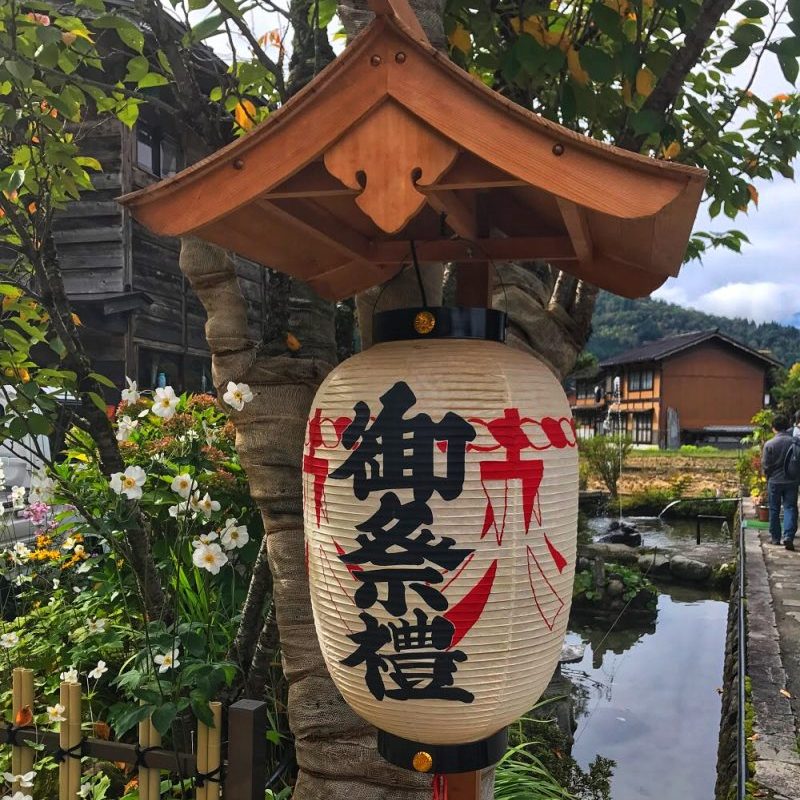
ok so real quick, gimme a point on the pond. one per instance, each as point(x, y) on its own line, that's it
point(647, 697)
point(668, 533)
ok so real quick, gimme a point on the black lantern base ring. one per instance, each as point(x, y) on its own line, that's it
point(442, 758)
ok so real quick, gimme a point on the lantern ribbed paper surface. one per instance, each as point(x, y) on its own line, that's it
point(441, 502)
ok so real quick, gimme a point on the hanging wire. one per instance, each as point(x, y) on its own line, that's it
point(419, 274)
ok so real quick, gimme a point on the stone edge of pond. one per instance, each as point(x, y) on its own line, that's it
point(777, 761)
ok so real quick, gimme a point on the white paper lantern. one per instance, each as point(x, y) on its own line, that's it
point(441, 489)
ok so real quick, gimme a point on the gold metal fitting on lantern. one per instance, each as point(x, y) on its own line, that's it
point(422, 761)
point(424, 322)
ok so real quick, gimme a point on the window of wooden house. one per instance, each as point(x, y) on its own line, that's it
point(158, 369)
point(156, 152)
point(197, 374)
point(643, 427)
point(584, 390)
point(640, 380)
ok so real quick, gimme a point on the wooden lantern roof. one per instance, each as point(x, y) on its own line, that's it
point(392, 143)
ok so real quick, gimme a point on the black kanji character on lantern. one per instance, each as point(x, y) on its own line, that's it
point(421, 665)
point(407, 448)
point(386, 541)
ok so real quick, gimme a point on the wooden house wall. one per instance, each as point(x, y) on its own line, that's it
point(713, 384)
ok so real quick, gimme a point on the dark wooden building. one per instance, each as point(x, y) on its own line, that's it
point(699, 387)
point(140, 318)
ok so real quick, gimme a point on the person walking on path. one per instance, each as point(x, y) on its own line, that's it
point(796, 429)
point(781, 491)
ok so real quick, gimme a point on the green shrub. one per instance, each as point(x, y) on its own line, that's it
point(606, 456)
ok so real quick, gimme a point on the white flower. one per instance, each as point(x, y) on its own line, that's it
point(56, 713)
point(2, 478)
point(96, 625)
point(129, 482)
point(182, 484)
point(69, 543)
point(98, 671)
point(85, 791)
point(56, 583)
point(131, 394)
point(70, 675)
point(17, 497)
point(83, 568)
point(9, 640)
point(79, 550)
point(25, 781)
point(206, 505)
point(179, 509)
point(21, 552)
point(18, 796)
point(204, 538)
point(168, 660)
point(125, 428)
point(42, 487)
point(237, 395)
point(210, 557)
point(165, 403)
point(234, 535)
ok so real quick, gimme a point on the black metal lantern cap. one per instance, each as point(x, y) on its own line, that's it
point(441, 322)
point(442, 758)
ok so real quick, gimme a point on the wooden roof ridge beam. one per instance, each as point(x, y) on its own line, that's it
point(401, 11)
point(577, 225)
point(521, 248)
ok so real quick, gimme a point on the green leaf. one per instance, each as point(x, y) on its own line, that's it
point(97, 400)
point(607, 21)
point(22, 72)
point(206, 27)
point(152, 79)
point(129, 113)
point(201, 710)
point(753, 9)
point(327, 8)
point(101, 379)
point(196, 5)
point(129, 716)
point(38, 425)
point(734, 57)
point(128, 33)
point(646, 121)
point(747, 34)
point(599, 64)
point(163, 717)
point(138, 67)
point(789, 67)
point(789, 47)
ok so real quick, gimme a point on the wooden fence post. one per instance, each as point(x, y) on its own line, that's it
point(246, 777)
point(21, 698)
point(215, 752)
point(74, 728)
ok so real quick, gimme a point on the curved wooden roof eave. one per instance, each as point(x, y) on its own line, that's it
point(173, 206)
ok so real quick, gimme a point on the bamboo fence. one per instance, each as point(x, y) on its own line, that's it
point(240, 776)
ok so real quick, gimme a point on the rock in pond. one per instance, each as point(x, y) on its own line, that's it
point(688, 569)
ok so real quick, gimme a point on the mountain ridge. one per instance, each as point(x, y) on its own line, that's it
point(620, 324)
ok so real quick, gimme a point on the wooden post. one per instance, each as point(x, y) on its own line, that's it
point(16, 707)
point(144, 773)
point(464, 786)
point(214, 751)
point(26, 754)
point(202, 759)
point(153, 773)
point(74, 727)
point(63, 742)
point(246, 776)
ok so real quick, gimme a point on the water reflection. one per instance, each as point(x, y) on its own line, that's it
point(647, 697)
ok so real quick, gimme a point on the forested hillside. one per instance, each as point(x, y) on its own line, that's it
point(620, 324)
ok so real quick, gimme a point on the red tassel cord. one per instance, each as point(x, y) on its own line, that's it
point(440, 787)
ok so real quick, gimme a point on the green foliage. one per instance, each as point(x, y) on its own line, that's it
point(787, 391)
point(597, 65)
point(606, 456)
point(632, 579)
point(620, 324)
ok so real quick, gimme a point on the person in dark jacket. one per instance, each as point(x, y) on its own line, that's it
point(780, 489)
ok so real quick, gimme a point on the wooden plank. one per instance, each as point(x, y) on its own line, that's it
point(401, 10)
point(246, 775)
point(85, 235)
point(547, 248)
point(459, 213)
point(577, 226)
point(464, 786)
point(313, 181)
point(471, 172)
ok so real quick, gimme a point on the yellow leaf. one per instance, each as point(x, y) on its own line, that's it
point(532, 26)
point(781, 98)
point(754, 197)
point(786, 693)
point(68, 37)
point(292, 342)
point(244, 113)
point(672, 150)
point(31, 208)
point(645, 80)
point(579, 74)
point(460, 39)
point(76, 320)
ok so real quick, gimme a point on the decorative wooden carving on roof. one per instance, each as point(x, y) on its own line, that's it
point(393, 143)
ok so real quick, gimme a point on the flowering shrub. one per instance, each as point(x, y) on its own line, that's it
point(75, 614)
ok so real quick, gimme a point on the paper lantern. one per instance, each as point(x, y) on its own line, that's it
point(440, 489)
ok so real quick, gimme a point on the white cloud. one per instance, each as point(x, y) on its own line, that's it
point(760, 301)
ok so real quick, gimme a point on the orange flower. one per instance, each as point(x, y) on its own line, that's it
point(23, 717)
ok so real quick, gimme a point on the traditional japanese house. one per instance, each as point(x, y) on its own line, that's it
point(698, 387)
